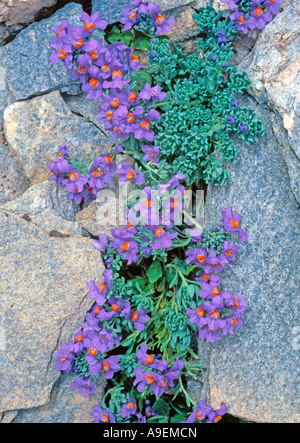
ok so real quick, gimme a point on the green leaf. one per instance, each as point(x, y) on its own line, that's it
point(154, 273)
point(161, 407)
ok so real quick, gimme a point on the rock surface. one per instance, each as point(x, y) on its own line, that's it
point(13, 181)
point(274, 70)
point(43, 287)
point(21, 11)
point(46, 206)
point(27, 57)
point(66, 405)
point(255, 371)
point(35, 129)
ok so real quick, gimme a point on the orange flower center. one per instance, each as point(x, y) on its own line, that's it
point(235, 223)
point(149, 359)
point(115, 103)
point(101, 287)
point(241, 20)
point(115, 308)
point(109, 116)
point(105, 418)
point(132, 15)
point(150, 379)
point(97, 173)
point(130, 175)
point(198, 417)
point(158, 231)
point(94, 83)
point(215, 291)
point(134, 58)
point(105, 68)
point(215, 314)
point(130, 118)
point(93, 351)
point(200, 312)
point(78, 339)
point(88, 26)
point(160, 19)
point(145, 125)
point(258, 11)
point(79, 43)
point(94, 55)
point(73, 176)
point(133, 96)
point(135, 316)
point(125, 246)
point(105, 367)
point(62, 54)
point(115, 73)
point(201, 258)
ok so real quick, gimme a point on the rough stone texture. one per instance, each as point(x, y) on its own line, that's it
point(13, 181)
point(35, 129)
point(26, 59)
point(256, 370)
point(111, 11)
point(66, 405)
point(88, 109)
point(14, 12)
point(46, 206)
point(274, 69)
point(43, 287)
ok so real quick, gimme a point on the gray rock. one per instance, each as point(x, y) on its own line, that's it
point(13, 181)
point(46, 206)
point(43, 302)
point(35, 129)
point(110, 11)
point(274, 70)
point(26, 59)
point(255, 371)
point(66, 405)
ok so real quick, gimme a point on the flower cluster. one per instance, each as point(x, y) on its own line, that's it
point(205, 413)
point(251, 14)
point(161, 279)
point(147, 17)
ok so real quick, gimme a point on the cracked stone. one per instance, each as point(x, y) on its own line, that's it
point(43, 301)
point(36, 128)
point(27, 57)
point(46, 206)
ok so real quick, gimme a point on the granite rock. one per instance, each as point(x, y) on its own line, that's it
point(46, 206)
point(13, 181)
point(274, 70)
point(43, 301)
point(35, 129)
point(66, 405)
point(25, 60)
point(14, 12)
point(256, 371)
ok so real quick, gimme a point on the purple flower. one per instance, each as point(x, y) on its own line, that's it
point(232, 4)
point(152, 93)
point(64, 357)
point(125, 245)
point(163, 239)
point(151, 154)
point(201, 258)
point(144, 358)
point(97, 292)
point(129, 408)
point(62, 52)
point(142, 129)
point(230, 250)
point(129, 18)
point(258, 17)
point(200, 413)
point(161, 23)
point(75, 182)
point(139, 318)
point(234, 102)
point(231, 223)
point(156, 382)
point(85, 386)
point(216, 416)
point(93, 22)
point(102, 243)
point(102, 415)
point(240, 21)
point(62, 29)
point(110, 366)
point(243, 128)
point(127, 173)
point(231, 120)
point(272, 6)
